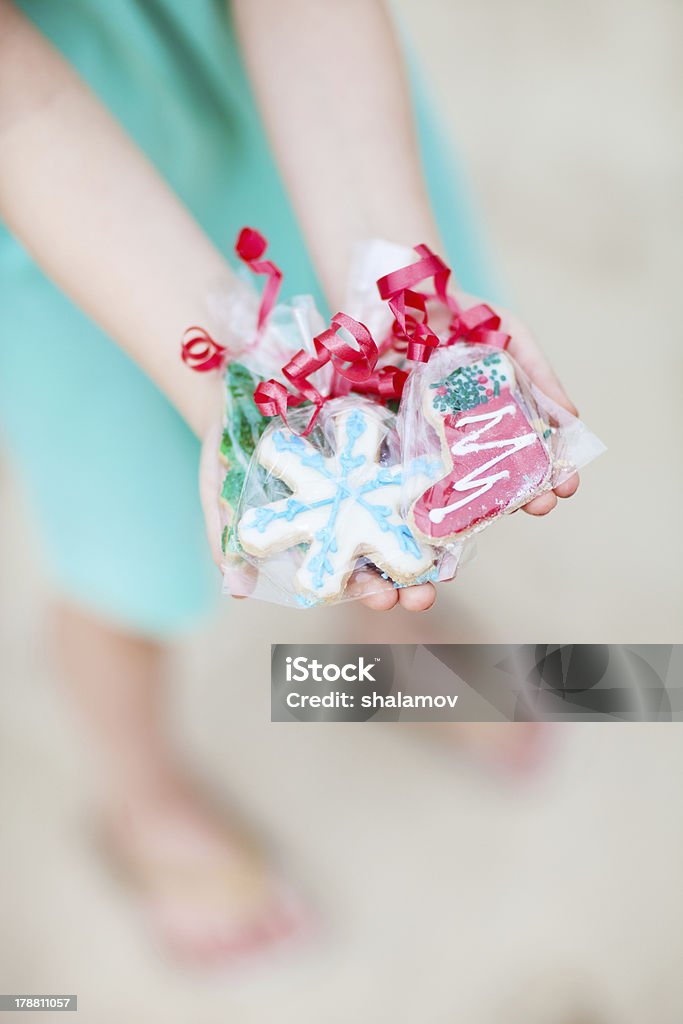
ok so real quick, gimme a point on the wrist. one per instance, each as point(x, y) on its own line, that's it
point(202, 407)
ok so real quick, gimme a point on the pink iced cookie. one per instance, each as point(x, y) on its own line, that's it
point(498, 460)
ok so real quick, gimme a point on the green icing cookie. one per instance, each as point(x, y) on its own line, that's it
point(244, 425)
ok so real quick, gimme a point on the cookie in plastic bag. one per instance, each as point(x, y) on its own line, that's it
point(330, 503)
point(501, 441)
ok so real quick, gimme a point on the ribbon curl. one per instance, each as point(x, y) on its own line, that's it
point(273, 399)
point(200, 352)
point(354, 368)
point(477, 325)
point(250, 247)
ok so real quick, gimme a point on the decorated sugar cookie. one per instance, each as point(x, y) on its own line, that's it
point(243, 425)
point(343, 505)
point(497, 459)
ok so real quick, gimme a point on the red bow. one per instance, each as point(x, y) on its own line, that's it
point(273, 398)
point(354, 369)
point(250, 247)
point(200, 351)
point(479, 324)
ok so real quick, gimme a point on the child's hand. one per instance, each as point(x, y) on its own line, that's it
point(381, 594)
point(525, 350)
point(210, 483)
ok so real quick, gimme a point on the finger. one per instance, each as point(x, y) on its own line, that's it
point(209, 489)
point(567, 487)
point(381, 600)
point(376, 593)
point(542, 505)
point(419, 598)
point(239, 576)
point(547, 381)
point(525, 350)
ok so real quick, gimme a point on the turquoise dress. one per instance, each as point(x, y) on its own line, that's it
point(108, 465)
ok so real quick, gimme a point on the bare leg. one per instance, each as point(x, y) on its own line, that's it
point(208, 891)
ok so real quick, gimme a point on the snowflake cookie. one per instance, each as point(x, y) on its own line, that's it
point(343, 505)
point(496, 457)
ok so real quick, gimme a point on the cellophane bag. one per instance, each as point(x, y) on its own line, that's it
point(319, 517)
point(365, 500)
point(491, 441)
point(253, 356)
point(371, 260)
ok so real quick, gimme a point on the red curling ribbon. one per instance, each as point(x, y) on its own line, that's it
point(200, 352)
point(387, 383)
point(429, 266)
point(477, 325)
point(273, 399)
point(411, 329)
point(362, 360)
point(250, 247)
point(412, 333)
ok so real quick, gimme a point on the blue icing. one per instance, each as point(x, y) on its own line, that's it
point(320, 565)
point(431, 576)
point(315, 461)
point(297, 446)
point(288, 442)
point(407, 541)
point(263, 517)
point(381, 513)
point(355, 425)
point(420, 465)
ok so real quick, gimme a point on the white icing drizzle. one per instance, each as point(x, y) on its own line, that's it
point(467, 445)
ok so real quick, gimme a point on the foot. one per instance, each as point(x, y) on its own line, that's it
point(518, 747)
point(205, 887)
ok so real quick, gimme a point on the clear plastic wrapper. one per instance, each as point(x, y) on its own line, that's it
point(253, 356)
point(490, 440)
point(371, 260)
point(243, 425)
point(319, 517)
point(338, 496)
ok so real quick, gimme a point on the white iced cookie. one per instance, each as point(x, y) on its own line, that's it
point(343, 506)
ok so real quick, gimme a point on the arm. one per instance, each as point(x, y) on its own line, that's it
point(331, 85)
point(334, 98)
point(97, 217)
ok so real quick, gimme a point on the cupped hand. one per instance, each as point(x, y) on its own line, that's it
point(365, 585)
point(526, 351)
